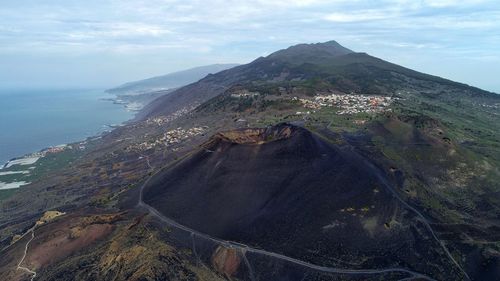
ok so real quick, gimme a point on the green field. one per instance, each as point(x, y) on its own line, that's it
point(44, 166)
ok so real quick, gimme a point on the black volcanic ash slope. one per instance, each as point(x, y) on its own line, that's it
point(258, 175)
point(286, 190)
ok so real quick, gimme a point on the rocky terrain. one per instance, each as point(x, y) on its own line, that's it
point(313, 163)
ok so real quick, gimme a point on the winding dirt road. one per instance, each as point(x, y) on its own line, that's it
point(33, 273)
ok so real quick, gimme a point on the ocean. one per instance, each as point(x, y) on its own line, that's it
point(31, 120)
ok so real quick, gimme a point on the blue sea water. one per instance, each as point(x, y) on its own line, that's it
point(31, 120)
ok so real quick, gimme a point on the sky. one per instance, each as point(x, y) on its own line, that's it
point(104, 43)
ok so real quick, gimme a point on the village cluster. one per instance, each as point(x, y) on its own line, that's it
point(244, 94)
point(494, 105)
point(349, 103)
point(177, 135)
point(160, 120)
point(52, 149)
point(169, 138)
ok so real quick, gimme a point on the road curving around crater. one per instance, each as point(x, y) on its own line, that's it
point(242, 248)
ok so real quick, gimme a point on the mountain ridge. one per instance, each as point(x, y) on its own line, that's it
point(168, 81)
point(337, 67)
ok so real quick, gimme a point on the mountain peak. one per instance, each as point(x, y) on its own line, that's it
point(326, 49)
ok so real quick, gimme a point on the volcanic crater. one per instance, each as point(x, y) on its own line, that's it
point(256, 135)
point(287, 190)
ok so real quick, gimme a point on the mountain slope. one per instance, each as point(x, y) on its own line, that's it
point(386, 174)
point(328, 65)
point(168, 81)
point(285, 190)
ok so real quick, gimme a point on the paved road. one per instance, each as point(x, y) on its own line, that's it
point(244, 248)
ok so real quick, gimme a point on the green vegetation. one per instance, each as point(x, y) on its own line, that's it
point(43, 167)
point(53, 162)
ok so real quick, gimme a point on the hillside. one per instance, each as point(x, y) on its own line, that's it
point(313, 163)
point(136, 95)
point(286, 190)
point(326, 66)
point(168, 81)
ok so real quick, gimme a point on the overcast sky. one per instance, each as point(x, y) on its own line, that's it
point(103, 43)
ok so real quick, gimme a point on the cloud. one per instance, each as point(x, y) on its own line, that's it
point(452, 3)
point(366, 15)
point(119, 29)
point(420, 4)
point(161, 32)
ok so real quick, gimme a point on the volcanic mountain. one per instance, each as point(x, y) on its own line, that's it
point(385, 174)
point(326, 65)
point(285, 189)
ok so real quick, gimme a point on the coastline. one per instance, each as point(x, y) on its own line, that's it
point(43, 118)
point(135, 101)
point(19, 171)
point(22, 171)
point(131, 106)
